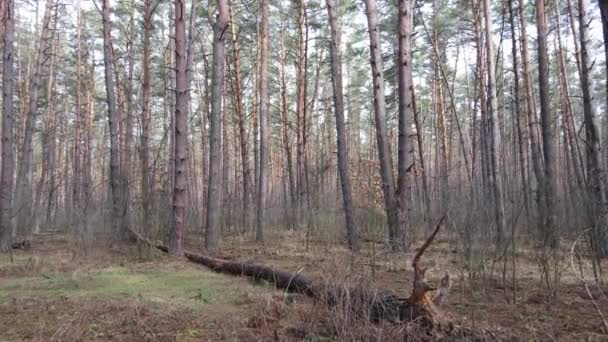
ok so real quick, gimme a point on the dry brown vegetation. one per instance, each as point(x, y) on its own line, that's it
point(55, 293)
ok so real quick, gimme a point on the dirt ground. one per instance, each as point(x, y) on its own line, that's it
point(57, 293)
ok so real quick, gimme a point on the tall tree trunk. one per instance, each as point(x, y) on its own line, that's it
point(23, 190)
point(550, 236)
point(384, 155)
point(423, 171)
point(530, 109)
point(336, 77)
point(76, 164)
point(6, 171)
point(238, 93)
point(596, 197)
point(604, 14)
point(112, 118)
point(180, 131)
point(577, 51)
point(3, 8)
point(406, 114)
point(568, 122)
point(128, 131)
point(517, 113)
point(46, 138)
point(293, 196)
point(263, 122)
point(493, 129)
point(214, 199)
point(146, 111)
point(301, 85)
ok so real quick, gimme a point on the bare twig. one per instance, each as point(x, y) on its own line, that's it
point(581, 277)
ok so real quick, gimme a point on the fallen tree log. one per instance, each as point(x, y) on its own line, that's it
point(25, 244)
point(372, 304)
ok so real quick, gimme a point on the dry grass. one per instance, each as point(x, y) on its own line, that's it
point(56, 293)
point(479, 299)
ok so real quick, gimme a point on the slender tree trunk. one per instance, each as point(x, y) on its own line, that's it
point(3, 8)
point(46, 136)
point(336, 77)
point(604, 14)
point(244, 147)
point(568, 122)
point(76, 164)
point(146, 111)
point(577, 51)
point(517, 113)
point(301, 85)
point(128, 131)
point(214, 198)
point(263, 121)
point(550, 235)
point(423, 171)
point(293, 196)
point(493, 130)
point(225, 200)
point(6, 171)
point(530, 108)
point(23, 190)
point(112, 118)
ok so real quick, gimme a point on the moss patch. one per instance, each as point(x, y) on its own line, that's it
point(187, 286)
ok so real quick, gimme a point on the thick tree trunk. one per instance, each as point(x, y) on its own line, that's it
point(550, 235)
point(6, 171)
point(336, 77)
point(384, 155)
point(406, 113)
point(180, 131)
point(595, 192)
point(214, 197)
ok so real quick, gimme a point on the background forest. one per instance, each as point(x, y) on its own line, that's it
point(351, 124)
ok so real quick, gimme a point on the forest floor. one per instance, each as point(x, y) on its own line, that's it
point(55, 293)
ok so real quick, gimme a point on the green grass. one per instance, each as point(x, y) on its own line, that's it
point(191, 287)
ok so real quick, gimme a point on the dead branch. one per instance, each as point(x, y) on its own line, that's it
point(581, 277)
